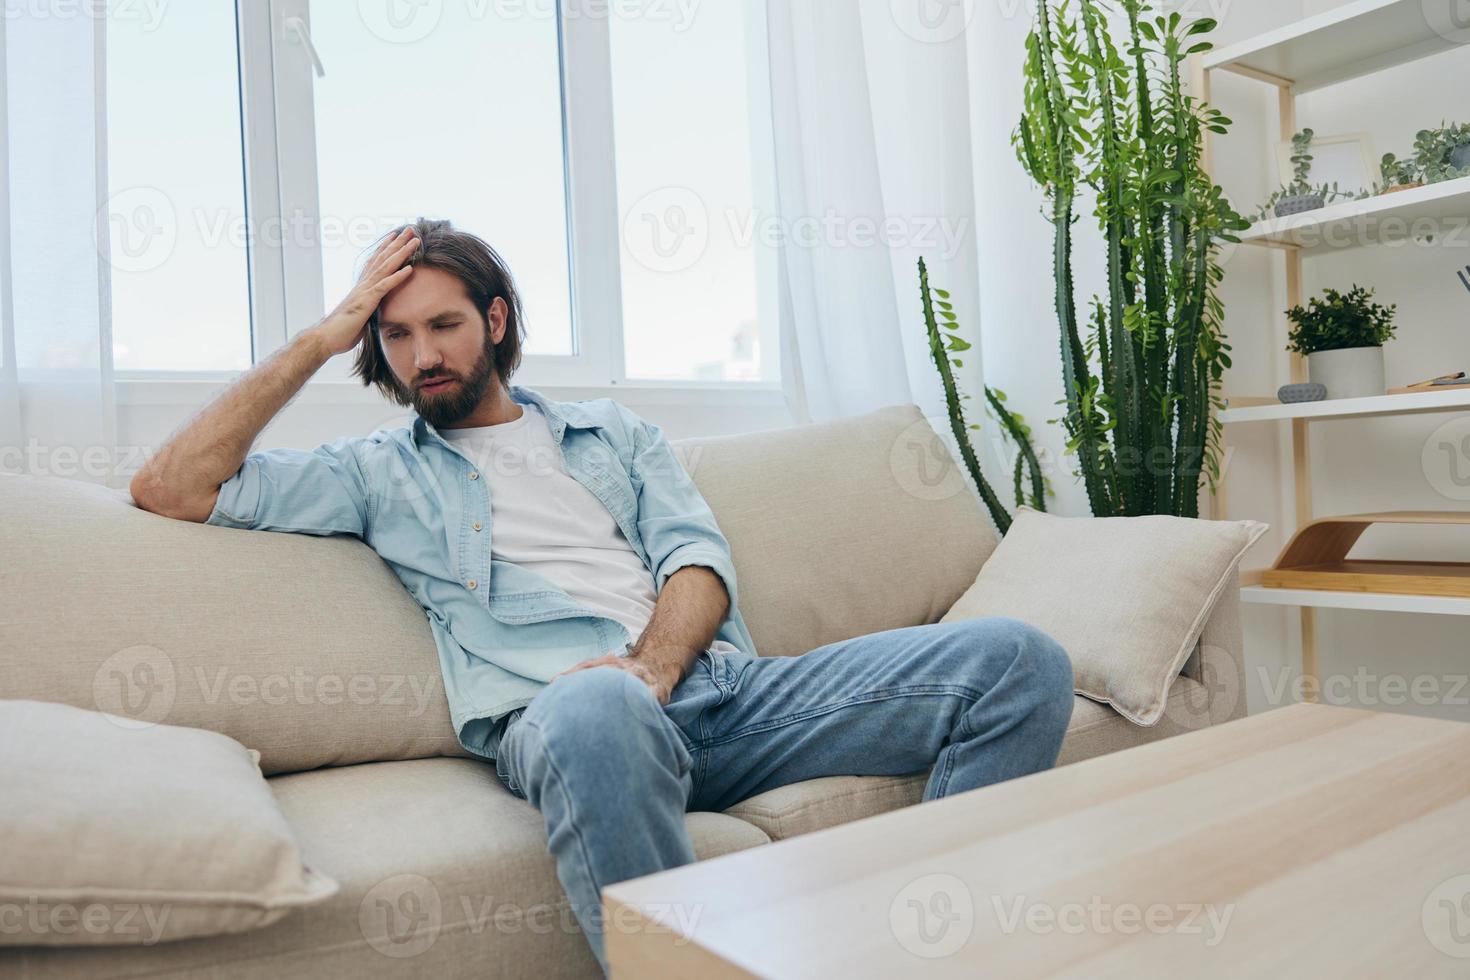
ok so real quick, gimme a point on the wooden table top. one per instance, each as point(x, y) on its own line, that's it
point(1305, 841)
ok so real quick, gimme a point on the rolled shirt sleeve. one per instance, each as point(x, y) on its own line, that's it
point(319, 491)
point(676, 524)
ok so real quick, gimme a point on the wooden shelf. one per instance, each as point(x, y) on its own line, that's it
point(1317, 560)
point(1350, 41)
point(1437, 208)
point(1448, 400)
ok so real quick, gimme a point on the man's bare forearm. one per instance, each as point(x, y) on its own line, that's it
point(183, 478)
point(688, 614)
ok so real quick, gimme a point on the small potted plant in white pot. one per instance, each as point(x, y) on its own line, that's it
point(1342, 336)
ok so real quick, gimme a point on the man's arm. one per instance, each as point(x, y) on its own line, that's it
point(685, 619)
point(690, 608)
point(182, 480)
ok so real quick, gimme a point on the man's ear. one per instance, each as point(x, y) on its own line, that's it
point(495, 321)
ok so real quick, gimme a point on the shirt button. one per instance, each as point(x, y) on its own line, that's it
point(474, 475)
point(471, 584)
point(477, 526)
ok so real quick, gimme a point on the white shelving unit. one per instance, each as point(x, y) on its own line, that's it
point(1351, 41)
point(1383, 220)
point(1449, 400)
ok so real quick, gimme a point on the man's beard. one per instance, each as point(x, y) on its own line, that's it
point(462, 398)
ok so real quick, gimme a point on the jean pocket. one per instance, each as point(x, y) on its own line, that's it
point(720, 674)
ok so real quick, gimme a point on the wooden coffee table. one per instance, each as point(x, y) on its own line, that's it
point(1306, 841)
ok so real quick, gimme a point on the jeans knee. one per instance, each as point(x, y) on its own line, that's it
point(601, 717)
point(1044, 662)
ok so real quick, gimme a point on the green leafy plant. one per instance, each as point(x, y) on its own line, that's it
point(1432, 150)
point(1109, 118)
point(943, 327)
point(1338, 321)
point(1398, 173)
point(1301, 180)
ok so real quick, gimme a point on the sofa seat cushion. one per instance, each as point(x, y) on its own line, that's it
point(1095, 729)
point(443, 874)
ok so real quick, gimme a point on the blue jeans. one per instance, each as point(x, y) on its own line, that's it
point(613, 772)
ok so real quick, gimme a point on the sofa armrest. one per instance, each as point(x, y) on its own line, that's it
point(1219, 661)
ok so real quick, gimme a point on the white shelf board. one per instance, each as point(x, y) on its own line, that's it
point(1374, 601)
point(1438, 209)
point(1349, 41)
point(1448, 400)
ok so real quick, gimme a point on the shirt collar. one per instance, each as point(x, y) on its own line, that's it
point(559, 415)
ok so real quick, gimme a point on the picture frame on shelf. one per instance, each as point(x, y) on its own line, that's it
point(1347, 161)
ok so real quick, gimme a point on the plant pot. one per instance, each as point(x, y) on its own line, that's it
point(1460, 156)
point(1299, 203)
point(1354, 372)
point(1402, 187)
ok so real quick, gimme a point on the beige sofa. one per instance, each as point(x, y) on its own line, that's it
point(308, 650)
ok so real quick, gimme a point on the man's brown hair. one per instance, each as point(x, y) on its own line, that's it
point(485, 275)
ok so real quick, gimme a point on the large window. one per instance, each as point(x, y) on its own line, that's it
point(616, 155)
point(176, 206)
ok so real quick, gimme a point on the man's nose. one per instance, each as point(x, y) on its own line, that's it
point(426, 356)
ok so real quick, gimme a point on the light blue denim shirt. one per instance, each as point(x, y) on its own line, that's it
point(502, 631)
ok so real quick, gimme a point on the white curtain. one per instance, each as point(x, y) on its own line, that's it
point(56, 394)
point(871, 121)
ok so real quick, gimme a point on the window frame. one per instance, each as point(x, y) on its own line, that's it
point(280, 177)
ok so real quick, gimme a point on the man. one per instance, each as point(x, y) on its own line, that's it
point(589, 634)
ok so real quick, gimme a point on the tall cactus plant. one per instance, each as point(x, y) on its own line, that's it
point(1110, 120)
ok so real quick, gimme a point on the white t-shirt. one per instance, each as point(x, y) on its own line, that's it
point(543, 520)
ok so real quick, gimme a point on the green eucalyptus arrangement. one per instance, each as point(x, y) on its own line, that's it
point(1439, 154)
point(1339, 321)
point(1436, 156)
point(1301, 194)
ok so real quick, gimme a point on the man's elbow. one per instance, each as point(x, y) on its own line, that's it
point(153, 495)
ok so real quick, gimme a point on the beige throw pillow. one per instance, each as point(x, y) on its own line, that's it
point(113, 832)
point(1127, 597)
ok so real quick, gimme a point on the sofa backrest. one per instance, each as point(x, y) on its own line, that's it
point(309, 650)
point(841, 528)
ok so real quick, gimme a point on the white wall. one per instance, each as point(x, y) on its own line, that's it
point(1360, 466)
